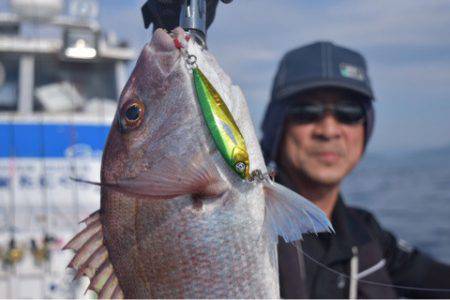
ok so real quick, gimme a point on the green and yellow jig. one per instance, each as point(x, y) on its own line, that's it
point(224, 130)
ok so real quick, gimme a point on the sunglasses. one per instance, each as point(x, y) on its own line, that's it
point(349, 113)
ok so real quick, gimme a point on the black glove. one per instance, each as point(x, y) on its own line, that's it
point(166, 13)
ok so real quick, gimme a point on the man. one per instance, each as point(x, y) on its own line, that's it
point(315, 130)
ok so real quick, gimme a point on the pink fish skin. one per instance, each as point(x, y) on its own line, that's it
point(183, 247)
point(175, 221)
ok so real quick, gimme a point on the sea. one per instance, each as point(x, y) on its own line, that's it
point(409, 193)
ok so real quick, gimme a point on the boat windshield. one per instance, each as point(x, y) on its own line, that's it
point(74, 86)
point(9, 81)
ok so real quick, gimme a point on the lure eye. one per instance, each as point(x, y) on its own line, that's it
point(132, 114)
point(240, 167)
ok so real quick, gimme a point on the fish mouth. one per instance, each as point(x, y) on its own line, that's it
point(164, 41)
point(163, 51)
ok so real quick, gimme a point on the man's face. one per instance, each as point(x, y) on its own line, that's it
point(323, 151)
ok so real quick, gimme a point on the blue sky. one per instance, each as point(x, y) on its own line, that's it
point(406, 44)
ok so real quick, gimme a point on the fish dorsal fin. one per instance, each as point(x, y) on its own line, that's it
point(91, 259)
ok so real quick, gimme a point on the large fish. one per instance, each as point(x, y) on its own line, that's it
point(179, 217)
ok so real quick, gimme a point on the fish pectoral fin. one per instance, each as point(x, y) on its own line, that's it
point(91, 259)
point(170, 178)
point(290, 215)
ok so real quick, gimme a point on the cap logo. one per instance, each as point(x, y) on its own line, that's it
point(351, 71)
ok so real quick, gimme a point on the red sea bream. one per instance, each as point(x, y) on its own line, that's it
point(175, 220)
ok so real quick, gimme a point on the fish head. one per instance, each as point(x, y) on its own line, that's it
point(148, 86)
point(158, 127)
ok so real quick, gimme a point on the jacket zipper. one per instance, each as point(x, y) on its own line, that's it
point(354, 266)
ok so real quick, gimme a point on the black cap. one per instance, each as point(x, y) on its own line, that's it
point(317, 65)
point(321, 64)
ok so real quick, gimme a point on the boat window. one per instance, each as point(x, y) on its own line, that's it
point(9, 82)
point(62, 86)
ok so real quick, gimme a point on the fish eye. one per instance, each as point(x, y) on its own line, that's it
point(132, 114)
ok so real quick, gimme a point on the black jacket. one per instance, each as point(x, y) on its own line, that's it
point(379, 257)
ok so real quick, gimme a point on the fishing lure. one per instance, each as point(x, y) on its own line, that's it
point(224, 130)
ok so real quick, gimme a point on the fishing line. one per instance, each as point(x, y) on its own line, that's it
point(403, 287)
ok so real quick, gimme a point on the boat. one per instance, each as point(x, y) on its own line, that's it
point(61, 74)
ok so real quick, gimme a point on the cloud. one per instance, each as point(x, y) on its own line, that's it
point(389, 23)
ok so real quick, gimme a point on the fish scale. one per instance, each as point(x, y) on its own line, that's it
point(176, 220)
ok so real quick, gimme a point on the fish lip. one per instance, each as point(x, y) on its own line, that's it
point(163, 52)
point(162, 41)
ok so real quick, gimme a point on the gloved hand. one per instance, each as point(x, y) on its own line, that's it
point(165, 13)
